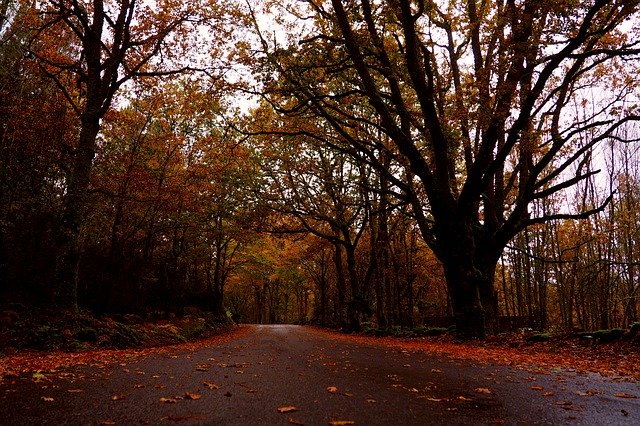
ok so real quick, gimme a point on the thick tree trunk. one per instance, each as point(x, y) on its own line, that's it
point(470, 266)
point(68, 233)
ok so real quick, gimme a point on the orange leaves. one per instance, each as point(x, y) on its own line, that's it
point(624, 395)
point(287, 409)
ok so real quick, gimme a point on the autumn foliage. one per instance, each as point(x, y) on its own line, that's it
point(352, 169)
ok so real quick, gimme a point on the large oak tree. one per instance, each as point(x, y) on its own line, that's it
point(485, 107)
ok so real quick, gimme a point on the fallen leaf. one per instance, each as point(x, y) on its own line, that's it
point(47, 399)
point(567, 405)
point(75, 390)
point(192, 396)
point(168, 400)
point(295, 422)
point(211, 385)
point(436, 370)
point(624, 395)
point(39, 377)
point(483, 390)
point(548, 393)
point(332, 389)
point(138, 386)
point(428, 398)
point(107, 423)
point(589, 392)
point(464, 398)
point(287, 409)
point(341, 422)
point(118, 397)
point(537, 388)
point(371, 401)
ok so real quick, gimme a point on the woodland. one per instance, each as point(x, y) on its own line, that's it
point(357, 164)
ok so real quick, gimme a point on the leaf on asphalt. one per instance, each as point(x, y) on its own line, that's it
point(203, 367)
point(295, 422)
point(371, 401)
point(118, 397)
point(550, 393)
point(168, 400)
point(211, 385)
point(624, 395)
point(589, 392)
point(192, 396)
point(537, 388)
point(287, 409)
point(483, 390)
point(567, 405)
point(107, 423)
point(464, 398)
point(436, 370)
point(74, 390)
point(47, 399)
point(428, 398)
point(332, 389)
point(138, 386)
point(341, 422)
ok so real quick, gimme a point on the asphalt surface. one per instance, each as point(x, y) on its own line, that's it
point(279, 375)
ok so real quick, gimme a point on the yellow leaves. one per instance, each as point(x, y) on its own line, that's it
point(168, 400)
point(287, 409)
point(118, 397)
point(341, 422)
point(192, 396)
point(483, 390)
point(210, 385)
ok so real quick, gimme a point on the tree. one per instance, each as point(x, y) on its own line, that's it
point(484, 107)
point(90, 49)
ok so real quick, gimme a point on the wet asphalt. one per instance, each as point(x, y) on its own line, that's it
point(284, 375)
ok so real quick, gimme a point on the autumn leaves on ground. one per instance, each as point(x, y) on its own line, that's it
point(111, 341)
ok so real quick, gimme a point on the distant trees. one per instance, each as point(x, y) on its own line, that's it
point(89, 50)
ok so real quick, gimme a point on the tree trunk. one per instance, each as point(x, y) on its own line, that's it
point(68, 233)
point(469, 266)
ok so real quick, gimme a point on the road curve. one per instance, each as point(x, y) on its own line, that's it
point(282, 374)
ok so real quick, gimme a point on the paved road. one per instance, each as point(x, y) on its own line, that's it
point(247, 381)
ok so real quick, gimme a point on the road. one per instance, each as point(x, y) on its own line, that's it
point(280, 375)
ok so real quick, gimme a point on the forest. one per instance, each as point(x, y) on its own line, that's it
point(348, 163)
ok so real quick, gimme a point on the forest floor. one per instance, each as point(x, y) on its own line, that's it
point(47, 340)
